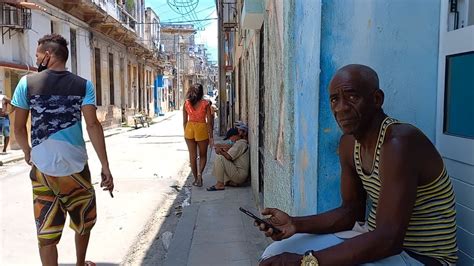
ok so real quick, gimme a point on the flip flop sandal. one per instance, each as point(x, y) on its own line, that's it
point(89, 263)
point(213, 188)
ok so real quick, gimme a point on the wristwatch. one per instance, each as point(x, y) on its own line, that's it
point(309, 259)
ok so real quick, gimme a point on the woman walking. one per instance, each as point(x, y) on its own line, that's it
point(197, 123)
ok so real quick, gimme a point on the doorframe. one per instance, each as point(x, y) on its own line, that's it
point(451, 43)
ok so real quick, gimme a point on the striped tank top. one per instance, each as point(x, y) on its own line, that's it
point(432, 227)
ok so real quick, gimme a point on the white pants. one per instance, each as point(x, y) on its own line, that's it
point(300, 243)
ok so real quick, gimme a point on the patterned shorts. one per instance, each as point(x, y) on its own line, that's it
point(54, 197)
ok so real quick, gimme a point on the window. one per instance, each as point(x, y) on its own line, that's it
point(98, 80)
point(459, 95)
point(111, 79)
point(454, 129)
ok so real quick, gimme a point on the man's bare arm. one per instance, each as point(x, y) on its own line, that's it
point(397, 196)
point(96, 135)
point(185, 116)
point(223, 146)
point(225, 154)
point(21, 134)
point(353, 199)
point(8, 108)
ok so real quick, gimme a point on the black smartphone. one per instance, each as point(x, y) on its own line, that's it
point(259, 220)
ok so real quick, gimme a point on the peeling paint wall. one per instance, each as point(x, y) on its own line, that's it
point(279, 133)
point(250, 70)
point(399, 39)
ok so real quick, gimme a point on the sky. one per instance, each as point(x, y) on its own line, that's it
point(203, 9)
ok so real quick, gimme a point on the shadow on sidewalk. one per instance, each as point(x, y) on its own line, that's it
point(167, 220)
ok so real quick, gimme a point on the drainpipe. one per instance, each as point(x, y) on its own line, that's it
point(221, 83)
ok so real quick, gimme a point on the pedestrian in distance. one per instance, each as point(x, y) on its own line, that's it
point(57, 99)
point(411, 218)
point(5, 110)
point(198, 130)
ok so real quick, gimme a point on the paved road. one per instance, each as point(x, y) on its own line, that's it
point(144, 162)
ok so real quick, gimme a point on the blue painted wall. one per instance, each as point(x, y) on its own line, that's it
point(303, 80)
point(399, 39)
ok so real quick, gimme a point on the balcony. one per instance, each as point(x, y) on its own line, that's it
point(107, 16)
point(252, 15)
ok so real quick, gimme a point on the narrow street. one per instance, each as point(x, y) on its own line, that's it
point(146, 163)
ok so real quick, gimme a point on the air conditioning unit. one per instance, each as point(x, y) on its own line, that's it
point(15, 17)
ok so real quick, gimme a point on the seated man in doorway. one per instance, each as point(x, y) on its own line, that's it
point(231, 167)
point(412, 220)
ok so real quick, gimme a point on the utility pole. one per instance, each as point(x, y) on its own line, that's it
point(179, 83)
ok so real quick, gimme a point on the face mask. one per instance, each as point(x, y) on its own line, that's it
point(42, 67)
point(230, 142)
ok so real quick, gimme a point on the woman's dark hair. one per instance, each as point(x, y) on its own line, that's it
point(195, 93)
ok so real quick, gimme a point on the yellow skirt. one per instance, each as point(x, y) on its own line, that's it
point(196, 131)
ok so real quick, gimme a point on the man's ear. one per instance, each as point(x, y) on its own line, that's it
point(379, 97)
point(47, 53)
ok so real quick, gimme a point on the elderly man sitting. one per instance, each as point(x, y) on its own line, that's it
point(231, 167)
point(243, 132)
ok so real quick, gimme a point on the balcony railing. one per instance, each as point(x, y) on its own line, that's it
point(126, 18)
point(118, 11)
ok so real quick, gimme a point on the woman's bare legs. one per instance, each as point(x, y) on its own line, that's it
point(192, 148)
point(202, 159)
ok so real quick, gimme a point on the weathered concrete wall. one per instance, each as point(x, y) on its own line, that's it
point(399, 39)
point(250, 82)
point(279, 134)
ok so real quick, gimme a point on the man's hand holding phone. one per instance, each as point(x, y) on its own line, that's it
point(280, 220)
point(278, 226)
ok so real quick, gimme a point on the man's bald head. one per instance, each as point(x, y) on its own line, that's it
point(355, 98)
point(363, 77)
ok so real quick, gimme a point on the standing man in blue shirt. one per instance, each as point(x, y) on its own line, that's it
point(5, 110)
point(60, 176)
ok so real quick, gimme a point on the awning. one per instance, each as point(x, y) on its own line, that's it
point(18, 66)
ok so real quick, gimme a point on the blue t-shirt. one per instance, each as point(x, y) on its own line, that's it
point(55, 99)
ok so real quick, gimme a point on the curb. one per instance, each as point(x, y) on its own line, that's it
point(12, 160)
point(19, 158)
point(183, 237)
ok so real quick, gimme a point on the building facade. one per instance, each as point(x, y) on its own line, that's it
point(110, 44)
point(275, 66)
point(187, 62)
